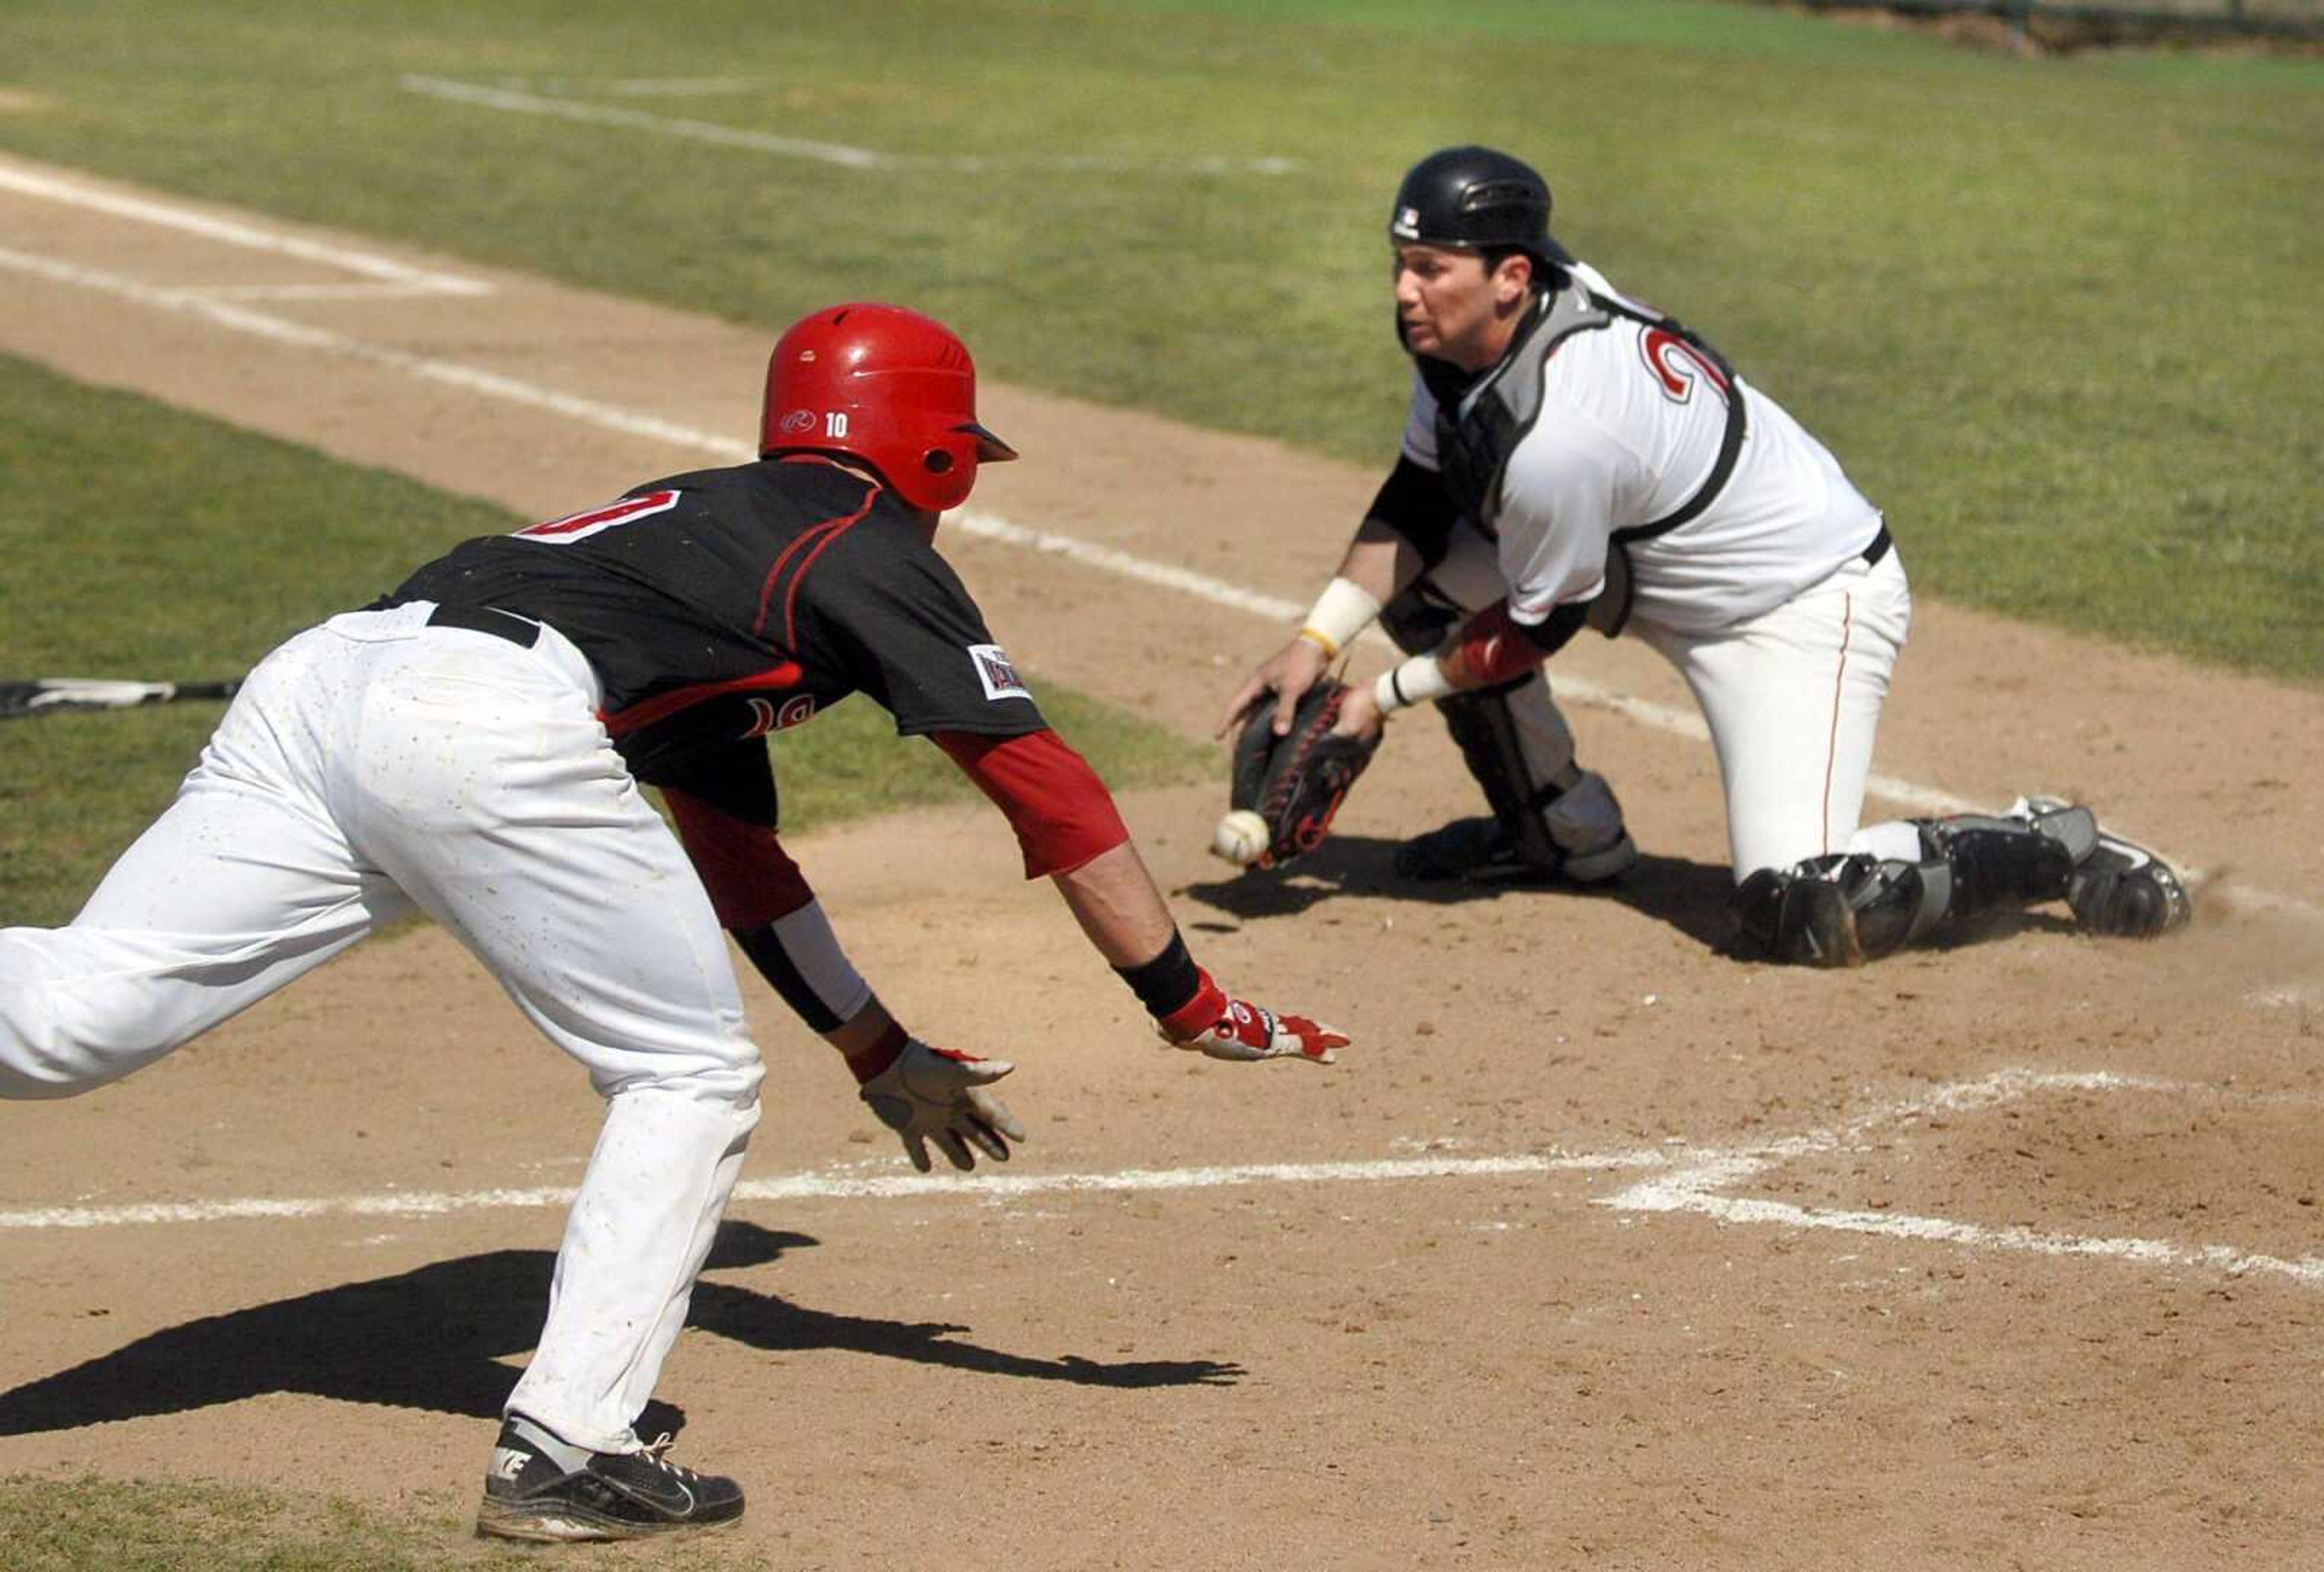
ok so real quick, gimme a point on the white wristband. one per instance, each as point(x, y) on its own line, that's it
point(1342, 611)
point(1416, 681)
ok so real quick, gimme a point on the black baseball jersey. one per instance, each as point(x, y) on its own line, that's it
point(722, 606)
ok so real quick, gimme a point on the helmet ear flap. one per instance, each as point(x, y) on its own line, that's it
point(941, 480)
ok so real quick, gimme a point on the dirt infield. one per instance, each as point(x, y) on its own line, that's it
point(1601, 1248)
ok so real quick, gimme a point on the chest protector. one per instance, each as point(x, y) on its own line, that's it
point(1481, 422)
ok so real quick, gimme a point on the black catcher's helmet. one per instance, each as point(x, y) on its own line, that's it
point(1476, 197)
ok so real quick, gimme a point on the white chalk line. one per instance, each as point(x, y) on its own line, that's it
point(516, 101)
point(378, 292)
point(228, 231)
point(1699, 1186)
point(985, 1185)
point(662, 86)
point(2295, 997)
point(1695, 1181)
point(277, 330)
point(1907, 794)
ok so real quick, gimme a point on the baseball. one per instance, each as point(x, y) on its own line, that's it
point(1241, 837)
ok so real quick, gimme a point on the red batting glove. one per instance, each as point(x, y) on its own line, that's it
point(1236, 1029)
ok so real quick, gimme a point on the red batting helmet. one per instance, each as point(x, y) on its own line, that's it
point(888, 386)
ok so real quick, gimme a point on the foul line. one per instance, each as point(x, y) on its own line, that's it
point(1696, 1180)
point(225, 313)
point(228, 232)
point(985, 1185)
point(515, 101)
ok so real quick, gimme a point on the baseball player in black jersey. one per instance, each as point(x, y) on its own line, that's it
point(472, 746)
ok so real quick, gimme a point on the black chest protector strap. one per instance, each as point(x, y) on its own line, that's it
point(1731, 441)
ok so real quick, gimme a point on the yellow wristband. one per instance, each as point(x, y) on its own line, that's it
point(1340, 613)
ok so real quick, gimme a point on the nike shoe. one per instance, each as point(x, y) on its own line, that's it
point(612, 1495)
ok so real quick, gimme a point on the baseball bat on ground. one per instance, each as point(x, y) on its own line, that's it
point(50, 695)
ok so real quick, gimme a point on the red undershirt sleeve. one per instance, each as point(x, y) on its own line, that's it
point(1061, 812)
point(1495, 647)
point(751, 880)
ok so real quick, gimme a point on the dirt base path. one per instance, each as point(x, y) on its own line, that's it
point(1603, 1248)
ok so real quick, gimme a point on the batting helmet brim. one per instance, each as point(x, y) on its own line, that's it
point(990, 448)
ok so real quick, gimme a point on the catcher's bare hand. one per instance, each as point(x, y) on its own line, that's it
point(1236, 1029)
point(1287, 673)
point(1361, 719)
point(936, 1093)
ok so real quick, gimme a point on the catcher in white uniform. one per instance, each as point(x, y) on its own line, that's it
point(472, 746)
point(1576, 458)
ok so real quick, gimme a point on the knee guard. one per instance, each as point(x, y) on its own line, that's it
point(1840, 911)
point(1558, 818)
point(1518, 787)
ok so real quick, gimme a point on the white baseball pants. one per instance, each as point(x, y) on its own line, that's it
point(1792, 699)
point(374, 764)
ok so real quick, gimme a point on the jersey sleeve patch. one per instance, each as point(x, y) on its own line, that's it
point(888, 617)
point(994, 671)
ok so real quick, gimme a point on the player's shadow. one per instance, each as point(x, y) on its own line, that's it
point(435, 1338)
point(1690, 896)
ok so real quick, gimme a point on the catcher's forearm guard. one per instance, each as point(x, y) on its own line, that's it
point(1296, 781)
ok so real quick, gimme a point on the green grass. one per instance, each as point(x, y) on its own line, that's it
point(73, 1525)
point(147, 542)
point(2055, 316)
point(2052, 314)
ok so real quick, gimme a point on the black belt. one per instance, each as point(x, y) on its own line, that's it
point(485, 619)
point(1879, 547)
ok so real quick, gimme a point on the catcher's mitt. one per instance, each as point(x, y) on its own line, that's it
point(1296, 783)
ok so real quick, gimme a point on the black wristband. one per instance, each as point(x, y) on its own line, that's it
point(1167, 982)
